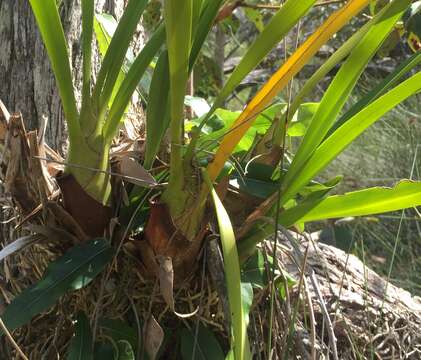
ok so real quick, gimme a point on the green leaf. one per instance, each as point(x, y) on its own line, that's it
point(390, 81)
point(80, 347)
point(105, 26)
point(342, 85)
point(254, 271)
point(256, 17)
point(114, 58)
point(125, 351)
point(207, 346)
point(280, 283)
point(178, 22)
point(302, 119)
point(349, 131)
point(131, 81)
point(157, 115)
point(228, 118)
point(49, 24)
point(118, 330)
point(233, 277)
point(280, 24)
point(315, 194)
point(74, 270)
point(104, 351)
point(203, 28)
point(370, 201)
point(87, 33)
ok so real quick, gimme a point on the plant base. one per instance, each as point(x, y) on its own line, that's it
point(92, 216)
point(162, 238)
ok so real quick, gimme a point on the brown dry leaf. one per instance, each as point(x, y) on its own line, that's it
point(4, 120)
point(166, 279)
point(166, 284)
point(19, 244)
point(135, 173)
point(154, 336)
point(53, 234)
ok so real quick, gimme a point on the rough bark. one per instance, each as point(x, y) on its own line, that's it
point(27, 82)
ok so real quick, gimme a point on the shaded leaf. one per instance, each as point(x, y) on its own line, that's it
point(118, 330)
point(206, 348)
point(80, 347)
point(254, 271)
point(125, 351)
point(157, 114)
point(74, 270)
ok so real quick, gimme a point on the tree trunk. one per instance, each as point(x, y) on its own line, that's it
point(27, 82)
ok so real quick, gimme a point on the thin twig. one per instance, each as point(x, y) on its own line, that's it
point(330, 331)
point(277, 7)
point(12, 341)
point(139, 328)
point(202, 286)
point(312, 320)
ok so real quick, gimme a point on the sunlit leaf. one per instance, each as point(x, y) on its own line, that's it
point(233, 278)
point(280, 79)
point(370, 201)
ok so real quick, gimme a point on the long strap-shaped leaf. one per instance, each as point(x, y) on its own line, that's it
point(280, 24)
point(87, 33)
point(342, 85)
point(203, 27)
point(349, 131)
point(81, 346)
point(232, 276)
point(370, 201)
point(72, 271)
point(49, 24)
point(280, 79)
point(178, 22)
point(157, 115)
point(131, 81)
point(390, 81)
point(116, 53)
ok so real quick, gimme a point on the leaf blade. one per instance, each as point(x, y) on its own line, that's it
point(49, 24)
point(370, 201)
point(72, 271)
point(280, 79)
point(233, 277)
point(80, 347)
point(342, 85)
point(349, 131)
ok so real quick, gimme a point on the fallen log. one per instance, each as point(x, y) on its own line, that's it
point(365, 315)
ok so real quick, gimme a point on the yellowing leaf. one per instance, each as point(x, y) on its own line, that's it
point(280, 79)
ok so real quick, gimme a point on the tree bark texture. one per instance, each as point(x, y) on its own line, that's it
point(27, 81)
point(369, 317)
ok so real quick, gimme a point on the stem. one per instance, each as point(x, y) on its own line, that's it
point(95, 182)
